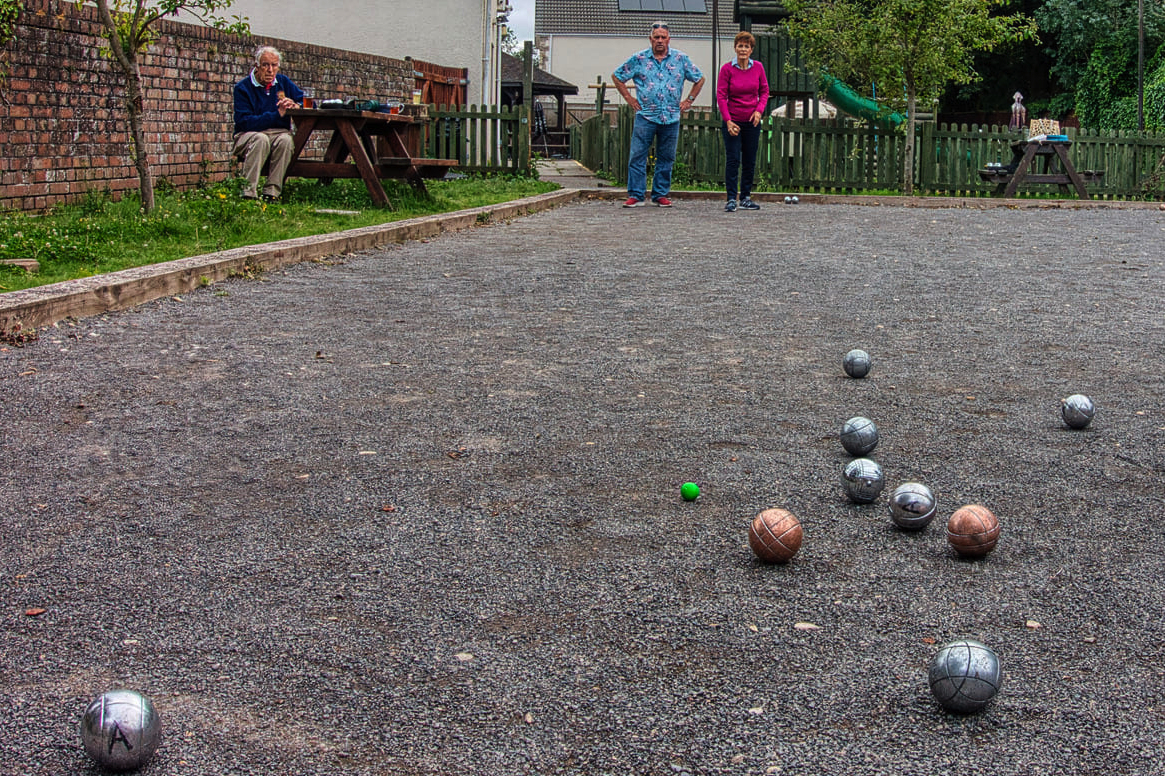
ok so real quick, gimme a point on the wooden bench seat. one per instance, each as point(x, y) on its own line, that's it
point(386, 167)
point(1003, 176)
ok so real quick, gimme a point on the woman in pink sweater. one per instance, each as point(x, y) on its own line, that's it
point(742, 92)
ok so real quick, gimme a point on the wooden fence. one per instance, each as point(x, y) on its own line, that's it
point(828, 155)
point(481, 139)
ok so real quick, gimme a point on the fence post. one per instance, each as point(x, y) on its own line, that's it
point(926, 157)
point(523, 157)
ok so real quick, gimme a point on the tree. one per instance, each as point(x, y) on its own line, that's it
point(910, 48)
point(129, 27)
point(1093, 48)
point(516, 48)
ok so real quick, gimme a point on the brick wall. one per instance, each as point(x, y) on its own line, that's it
point(62, 128)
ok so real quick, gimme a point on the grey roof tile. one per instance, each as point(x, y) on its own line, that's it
point(603, 17)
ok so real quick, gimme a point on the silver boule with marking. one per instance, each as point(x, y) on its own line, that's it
point(965, 676)
point(121, 730)
point(859, 436)
point(863, 480)
point(912, 506)
point(1077, 410)
point(856, 363)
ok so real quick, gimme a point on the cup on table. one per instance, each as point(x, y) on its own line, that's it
point(416, 96)
point(309, 98)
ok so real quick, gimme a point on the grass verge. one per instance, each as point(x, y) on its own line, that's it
point(99, 235)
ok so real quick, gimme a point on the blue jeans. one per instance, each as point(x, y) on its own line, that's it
point(665, 137)
point(740, 152)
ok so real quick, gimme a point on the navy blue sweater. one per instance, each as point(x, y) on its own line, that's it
point(255, 106)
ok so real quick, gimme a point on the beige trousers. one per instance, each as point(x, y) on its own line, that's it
point(255, 149)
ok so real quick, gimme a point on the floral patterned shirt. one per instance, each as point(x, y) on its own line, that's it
point(659, 84)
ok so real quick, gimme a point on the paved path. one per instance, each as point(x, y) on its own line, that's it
point(568, 173)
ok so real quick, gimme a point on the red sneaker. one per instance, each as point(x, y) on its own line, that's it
point(633, 202)
point(663, 202)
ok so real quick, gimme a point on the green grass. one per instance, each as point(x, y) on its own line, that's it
point(99, 235)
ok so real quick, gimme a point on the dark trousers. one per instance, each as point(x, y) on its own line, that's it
point(741, 153)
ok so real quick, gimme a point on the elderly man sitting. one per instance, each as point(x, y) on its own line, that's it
point(262, 130)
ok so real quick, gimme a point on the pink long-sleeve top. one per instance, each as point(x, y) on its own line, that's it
point(740, 93)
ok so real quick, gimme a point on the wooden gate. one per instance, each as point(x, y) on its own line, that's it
point(441, 85)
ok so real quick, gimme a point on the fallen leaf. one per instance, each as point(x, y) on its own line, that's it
point(758, 710)
point(464, 657)
point(753, 628)
point(928, 640)
point(1089, 639)
point(1032, 625)
point(529, 718)
point(806, 626)
point(35, 611)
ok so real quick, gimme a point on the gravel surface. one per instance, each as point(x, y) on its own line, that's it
point(417, 511)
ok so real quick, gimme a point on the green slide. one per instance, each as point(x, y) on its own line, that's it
point(849, 101)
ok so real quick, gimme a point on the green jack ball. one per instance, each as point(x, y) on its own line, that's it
point(690, 491)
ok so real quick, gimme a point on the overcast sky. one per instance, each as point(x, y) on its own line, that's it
point(522, 19)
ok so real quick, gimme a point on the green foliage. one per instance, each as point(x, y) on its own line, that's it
point(912, 49)
point(1105, 98)
point(1093, 46)
point(135, 20)
point(1101, 89)
point(1078, 30)
point(99, 235)
point(904, 46)
point(9, 13)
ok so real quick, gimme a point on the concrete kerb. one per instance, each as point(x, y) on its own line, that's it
point(43, 306)
point(46, 305)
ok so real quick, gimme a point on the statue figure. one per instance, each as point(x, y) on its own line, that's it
point(1018, 113)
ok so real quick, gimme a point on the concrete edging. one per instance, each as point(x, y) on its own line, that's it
point(43, 306)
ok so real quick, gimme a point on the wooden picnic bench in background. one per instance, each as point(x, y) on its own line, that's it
point(1057, 169)
point(380, 145)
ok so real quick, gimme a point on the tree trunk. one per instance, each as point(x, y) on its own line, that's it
point(125, 55)
point(908, 162)
point(135, 109)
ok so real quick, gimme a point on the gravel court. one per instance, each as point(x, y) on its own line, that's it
point(417, 511)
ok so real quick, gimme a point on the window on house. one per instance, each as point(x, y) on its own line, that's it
point(669, 6)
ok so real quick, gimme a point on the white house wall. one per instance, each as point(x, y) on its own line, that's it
point(581, 59)
point(444, 32)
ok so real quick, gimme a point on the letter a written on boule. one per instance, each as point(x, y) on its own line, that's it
point(116, 736)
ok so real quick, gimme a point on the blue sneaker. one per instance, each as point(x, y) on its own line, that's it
point(730, 207)
point(748, 204)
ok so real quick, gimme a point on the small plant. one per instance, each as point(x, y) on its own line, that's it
point(9, 12)
point(248, 271)
point(18, 336)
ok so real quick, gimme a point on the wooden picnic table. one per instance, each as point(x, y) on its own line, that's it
point(380, 145)
point(1057, 168)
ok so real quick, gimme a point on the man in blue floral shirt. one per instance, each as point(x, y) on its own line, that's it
point(659, 74)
